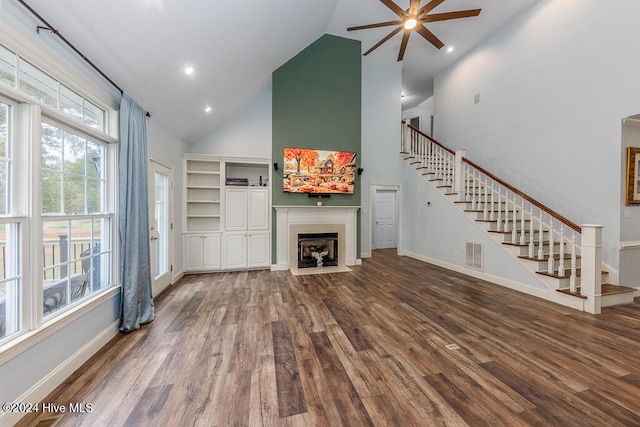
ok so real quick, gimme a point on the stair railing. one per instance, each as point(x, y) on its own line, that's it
point(547, 235)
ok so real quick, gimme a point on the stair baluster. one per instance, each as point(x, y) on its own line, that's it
point(531, 233)
point(514, 230)
point(522, 223)
point(493, 212)
point(573, 287)
point(506, 211)
point(540, 237)
point(486, 199)
point(561, 271)
point(499, 220)
point(550, 262)
point(473, 190)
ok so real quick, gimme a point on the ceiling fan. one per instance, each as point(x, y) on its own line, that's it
point(413, 19)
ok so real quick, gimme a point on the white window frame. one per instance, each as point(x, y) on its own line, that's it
point(27, 115)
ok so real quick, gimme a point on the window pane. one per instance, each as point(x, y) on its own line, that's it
point(4, 129)
point(56, 265)
point(10, 279)
point(75, 152)
point(7, 67)
point(38, 84)
point(95, 154)
point(4, 187)
point(51, 192)
point(94, 115)
point(74, 200)
point(51, 147)
point(70, 102)
point(94, 204)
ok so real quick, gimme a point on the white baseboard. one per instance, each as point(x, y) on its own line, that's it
point(179, 275)
point(520, 287)
point(365, 255)
point(46, 385)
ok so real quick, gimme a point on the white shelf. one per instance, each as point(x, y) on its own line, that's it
point(203, 216)
point(203, 187)
point(202, 173)
point(203, 201)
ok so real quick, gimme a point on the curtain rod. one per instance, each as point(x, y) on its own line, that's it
point(49, 27)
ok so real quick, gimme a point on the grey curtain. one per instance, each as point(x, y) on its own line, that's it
point(135, 270)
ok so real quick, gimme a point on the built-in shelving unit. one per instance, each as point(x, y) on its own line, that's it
point(203, 192)
point(212, 239)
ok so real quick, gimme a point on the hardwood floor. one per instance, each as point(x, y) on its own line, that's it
point(359, 349)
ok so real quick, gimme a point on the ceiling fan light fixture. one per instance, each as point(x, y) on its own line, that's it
point(410, 23)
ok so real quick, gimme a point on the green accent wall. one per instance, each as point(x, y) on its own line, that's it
point(316, 103)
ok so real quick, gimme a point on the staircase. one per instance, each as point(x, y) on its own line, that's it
point(562, 255)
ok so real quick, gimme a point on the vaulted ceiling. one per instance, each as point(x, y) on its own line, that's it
point(234, 46)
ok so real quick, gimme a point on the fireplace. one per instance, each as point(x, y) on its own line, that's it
point(313, 220)
point(317, 250)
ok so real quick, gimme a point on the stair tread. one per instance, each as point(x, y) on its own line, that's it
point(526, 244)
point(567, 273)
point(607, 289)
point(546, 257)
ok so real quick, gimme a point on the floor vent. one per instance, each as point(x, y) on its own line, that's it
point(474, 257)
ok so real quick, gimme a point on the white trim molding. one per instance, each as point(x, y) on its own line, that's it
point(286, 216)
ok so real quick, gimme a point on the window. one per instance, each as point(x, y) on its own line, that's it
point(20, 74)
point(56, 247)
point(10, 249)
point(76, 222)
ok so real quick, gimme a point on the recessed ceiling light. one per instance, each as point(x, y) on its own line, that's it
point(208, 109)
point(188, 70)
point(450, 49)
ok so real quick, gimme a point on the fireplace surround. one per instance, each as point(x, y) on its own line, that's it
point(294, 220)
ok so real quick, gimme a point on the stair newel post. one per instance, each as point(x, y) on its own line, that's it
point(406, 138)
point(531, 233)
point(591, 267)
point(514, 230)
point(540, 237)
point(550, 261)
point(522, 222)
point(561, 252)
point(573, 287)
point(458, 180)
point(499, 220)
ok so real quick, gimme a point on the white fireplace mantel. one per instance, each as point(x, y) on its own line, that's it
point(286, 216)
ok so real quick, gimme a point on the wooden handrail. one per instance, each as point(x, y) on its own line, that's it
point(432, 140)
point(531, 200)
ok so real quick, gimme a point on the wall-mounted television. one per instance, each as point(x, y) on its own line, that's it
point(318, 171)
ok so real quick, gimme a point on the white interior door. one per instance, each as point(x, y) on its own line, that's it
point(385, 227)
point(161, 224)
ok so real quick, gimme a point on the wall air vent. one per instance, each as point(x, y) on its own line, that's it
point(474, 257)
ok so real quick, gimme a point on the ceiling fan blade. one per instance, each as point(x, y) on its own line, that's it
point(414, 6)
point(429, 6)
point(451, 15)
point(395, 8)
point(403, 45)
point(388, 36)
point(424, 32)
point(379, 24)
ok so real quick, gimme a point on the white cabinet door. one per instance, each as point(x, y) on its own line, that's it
point(193, 251)
point(258, 214)
point(236, 209)
point(202, 252)
point(258, 249)
point(234, 250)
point(211, 252)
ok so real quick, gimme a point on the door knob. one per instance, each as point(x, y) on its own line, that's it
point(154, 237)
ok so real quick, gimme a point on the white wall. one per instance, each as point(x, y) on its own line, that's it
point(424, 111)
point(554, 85)
point(246, 135)
point(436, 231)
point(381, 114)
